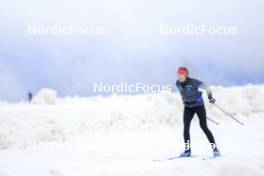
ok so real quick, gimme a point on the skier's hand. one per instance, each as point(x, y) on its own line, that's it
point(211, 100)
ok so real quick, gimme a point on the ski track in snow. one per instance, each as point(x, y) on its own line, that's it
point(122, 135)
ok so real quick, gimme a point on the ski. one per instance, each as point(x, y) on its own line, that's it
point(177, 157)
point(167, 159)
point(211, 157)
point(172, 158)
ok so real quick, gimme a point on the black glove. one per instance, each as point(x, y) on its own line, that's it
point(211, 100)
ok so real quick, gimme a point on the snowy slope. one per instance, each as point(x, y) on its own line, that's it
point(48, 118)
point(121, 135)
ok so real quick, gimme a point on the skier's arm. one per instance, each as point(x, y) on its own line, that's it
point(207, 88)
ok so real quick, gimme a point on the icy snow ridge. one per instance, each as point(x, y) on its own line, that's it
point(49, 118)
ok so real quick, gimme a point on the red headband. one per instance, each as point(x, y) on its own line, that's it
point(182, 71)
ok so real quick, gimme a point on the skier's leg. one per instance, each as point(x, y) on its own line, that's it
point(188, 114)
point(201, 113)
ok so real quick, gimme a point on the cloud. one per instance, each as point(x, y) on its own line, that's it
point(133, 50)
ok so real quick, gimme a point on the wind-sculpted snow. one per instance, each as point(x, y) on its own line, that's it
point(48, 119)
point(45, 96)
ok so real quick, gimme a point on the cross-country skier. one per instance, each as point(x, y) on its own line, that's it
point(194, 104)
point(30, 96)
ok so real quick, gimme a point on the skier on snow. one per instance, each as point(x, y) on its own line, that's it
point(194, 104)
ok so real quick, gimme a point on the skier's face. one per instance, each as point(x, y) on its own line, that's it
point(181, 77)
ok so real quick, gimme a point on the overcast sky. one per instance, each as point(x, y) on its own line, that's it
point(132, 49)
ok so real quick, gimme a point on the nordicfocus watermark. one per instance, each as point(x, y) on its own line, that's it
point(191, 29)
point(124, 87)
point(59, 29)
point(54, 146)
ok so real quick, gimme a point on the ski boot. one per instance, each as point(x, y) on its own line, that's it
point(216, 153)
point(186, 153)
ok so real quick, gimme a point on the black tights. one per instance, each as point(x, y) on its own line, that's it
point(187, 118)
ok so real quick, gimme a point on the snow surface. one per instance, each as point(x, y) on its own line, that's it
point(122, 135)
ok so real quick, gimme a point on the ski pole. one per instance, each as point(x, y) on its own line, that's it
point(230, 115)
point(215, 122)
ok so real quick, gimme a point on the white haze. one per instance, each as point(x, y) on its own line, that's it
point(71, 64)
